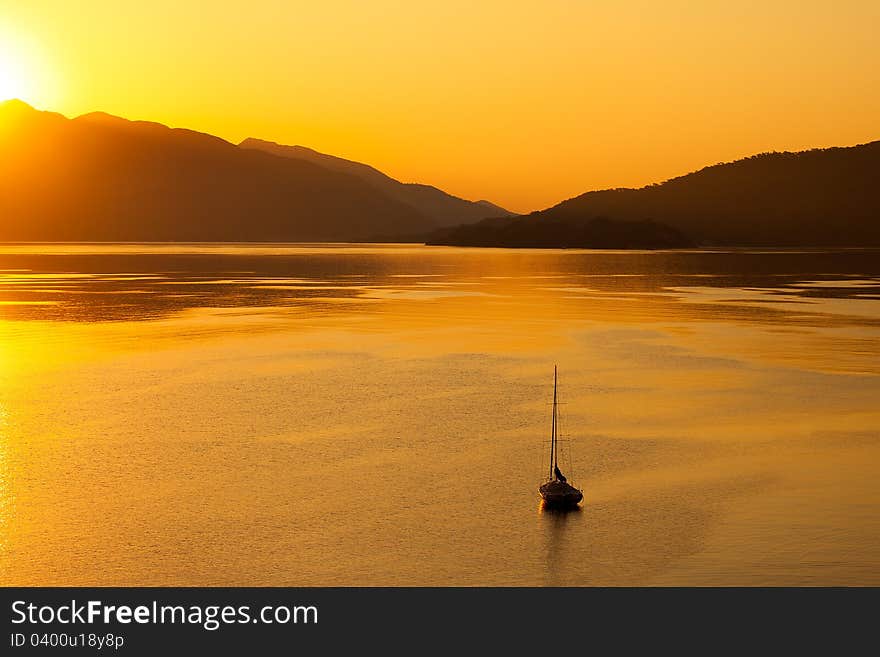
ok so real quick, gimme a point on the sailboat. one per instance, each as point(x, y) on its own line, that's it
point(556, 491)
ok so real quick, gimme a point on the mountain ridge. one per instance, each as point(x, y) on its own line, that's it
point(817, 197)
point(444, 208)
point(102, 177)
point(98, 177)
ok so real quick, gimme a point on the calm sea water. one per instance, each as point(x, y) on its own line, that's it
point(379, 415)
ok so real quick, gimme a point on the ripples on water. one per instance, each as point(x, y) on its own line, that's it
point(352, 415)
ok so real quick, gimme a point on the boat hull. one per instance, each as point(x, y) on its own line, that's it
point(558, 494)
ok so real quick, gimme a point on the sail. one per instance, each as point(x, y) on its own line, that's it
point(559, 475)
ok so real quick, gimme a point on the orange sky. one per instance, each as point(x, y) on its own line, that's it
point(523, 103)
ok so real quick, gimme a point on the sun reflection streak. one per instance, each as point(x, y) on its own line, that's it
point(5, 491)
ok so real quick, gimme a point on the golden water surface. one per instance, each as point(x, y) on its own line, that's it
point(378, 415)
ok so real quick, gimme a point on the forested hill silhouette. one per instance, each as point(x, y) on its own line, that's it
point(821, 197)
point(562, 233)
point(444, 209)
point(103, 178)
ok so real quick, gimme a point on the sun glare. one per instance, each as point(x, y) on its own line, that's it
point(12, 80)
point(23, 70)
point(12, 83)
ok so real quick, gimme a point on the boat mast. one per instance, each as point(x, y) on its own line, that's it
point(553, 431)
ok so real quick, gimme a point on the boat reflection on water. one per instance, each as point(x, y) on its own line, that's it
point(559, 526)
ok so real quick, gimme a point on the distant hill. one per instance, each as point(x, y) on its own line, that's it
point(562, 233)
point(822, 197)
point(443, 209)
point(103, 178)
